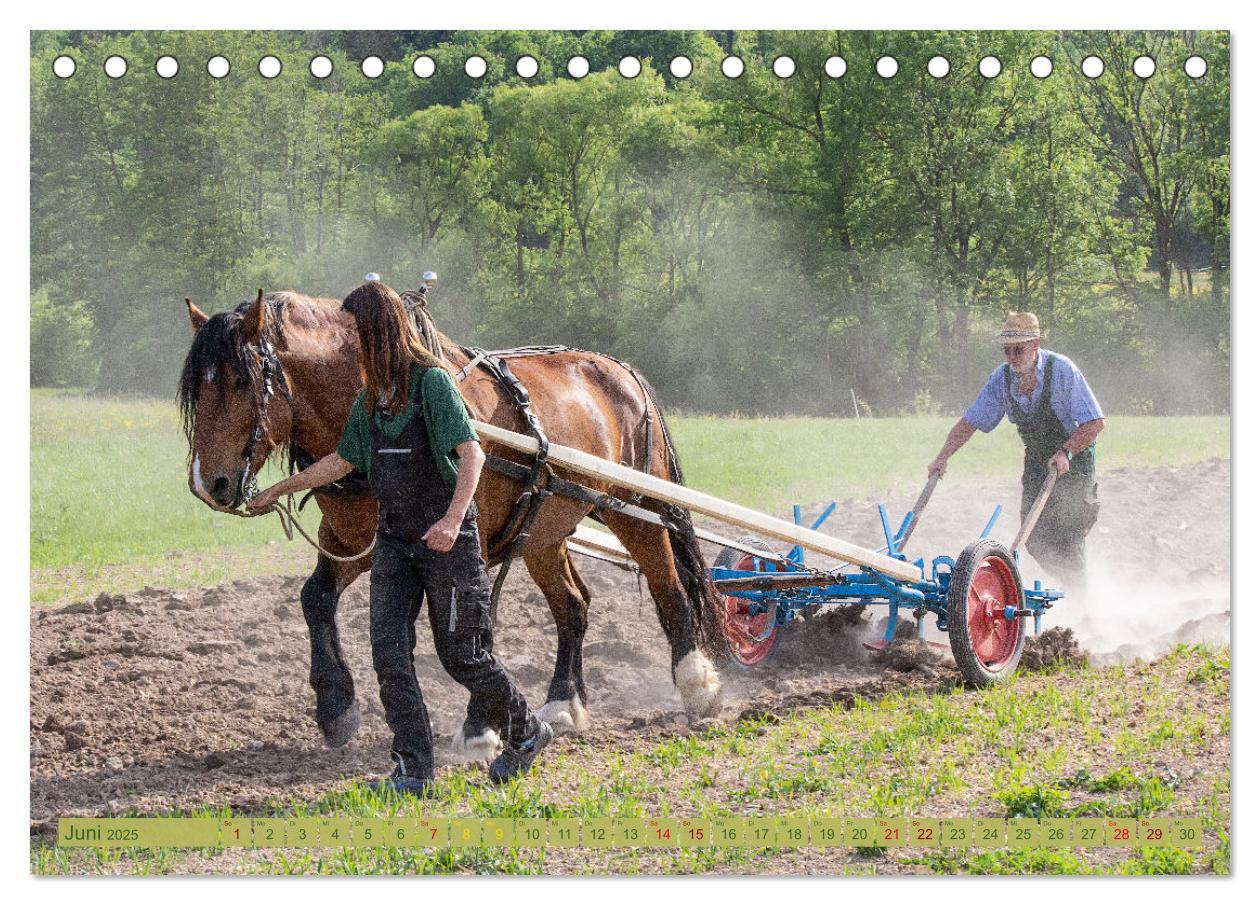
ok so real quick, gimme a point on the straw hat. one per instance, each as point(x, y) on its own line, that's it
point(1019, 327)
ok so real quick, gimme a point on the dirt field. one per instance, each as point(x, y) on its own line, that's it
point(161, 699)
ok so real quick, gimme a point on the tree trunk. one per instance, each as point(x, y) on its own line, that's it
point(1163, 247)
point(1218, 256)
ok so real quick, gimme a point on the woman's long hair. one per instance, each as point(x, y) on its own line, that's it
point(388, 343)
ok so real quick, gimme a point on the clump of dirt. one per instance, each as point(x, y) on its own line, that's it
point(1053, 647)
point(825, 635)
point(910, 655)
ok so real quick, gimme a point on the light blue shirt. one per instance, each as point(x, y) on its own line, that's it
point(1071, 399)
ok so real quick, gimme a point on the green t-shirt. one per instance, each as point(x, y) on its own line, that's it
point(445, 416)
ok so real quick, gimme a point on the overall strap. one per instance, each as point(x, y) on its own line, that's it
point(1047, 383)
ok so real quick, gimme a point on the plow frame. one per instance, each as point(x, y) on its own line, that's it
point(786, 587)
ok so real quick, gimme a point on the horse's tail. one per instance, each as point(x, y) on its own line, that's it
point(707, 608)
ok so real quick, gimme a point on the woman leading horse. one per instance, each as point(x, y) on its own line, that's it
point(409, 431)
point(284, 370)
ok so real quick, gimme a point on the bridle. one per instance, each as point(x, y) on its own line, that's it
point(271, 368)
point(247, 489)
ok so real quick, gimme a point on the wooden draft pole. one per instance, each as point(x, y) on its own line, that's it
point(695, 500)
point(600, 545)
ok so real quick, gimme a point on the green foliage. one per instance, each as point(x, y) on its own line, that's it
point(883, 755)
point(763, 245)
point(61, 343)
point(1210, 668)
point(1113, 781)
point(1158, 861)
point(1032, 801)
point(1018, 862)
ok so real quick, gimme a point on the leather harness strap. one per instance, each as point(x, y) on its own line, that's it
point(508, 541)
point(560, 487)
point(539, 480)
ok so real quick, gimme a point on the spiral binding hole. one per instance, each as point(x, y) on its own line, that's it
point(269, 67)
point(321, 67)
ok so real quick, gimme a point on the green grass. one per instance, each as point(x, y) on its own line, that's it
point(1012, 750)
point(109, 483)
point(771, 463)
point(110, 509)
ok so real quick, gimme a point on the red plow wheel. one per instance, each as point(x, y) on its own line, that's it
point(986, 645)
point(745, 631)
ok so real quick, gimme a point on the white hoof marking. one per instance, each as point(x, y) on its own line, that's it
point(478, 747)
point(565, 716)
point(697, 681)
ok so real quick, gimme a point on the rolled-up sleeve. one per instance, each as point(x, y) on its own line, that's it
point(1073, 400)
point(987, 411)
point(447, 415)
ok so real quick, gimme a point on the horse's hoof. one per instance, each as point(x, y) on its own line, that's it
point(475, 742)
point(340, 730)
point(565, 716)
point(697, 681)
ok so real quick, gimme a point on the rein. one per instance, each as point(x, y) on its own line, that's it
point(289, 521)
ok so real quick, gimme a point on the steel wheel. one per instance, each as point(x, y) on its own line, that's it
point(986, 645)
point(744, 631)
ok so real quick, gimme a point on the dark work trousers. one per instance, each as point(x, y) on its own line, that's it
point(456, 587)
point(1058, 540)
point(405, 572)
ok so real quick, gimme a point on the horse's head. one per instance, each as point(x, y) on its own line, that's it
point(233, 399)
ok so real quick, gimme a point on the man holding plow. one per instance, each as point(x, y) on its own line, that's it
point(1045, 395)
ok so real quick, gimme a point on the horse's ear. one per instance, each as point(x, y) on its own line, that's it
point(255, 319)
point(196, 315)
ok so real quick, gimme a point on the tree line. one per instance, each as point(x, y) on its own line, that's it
point(807, 245)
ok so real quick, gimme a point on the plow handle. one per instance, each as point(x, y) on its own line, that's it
point(919, 505)
point(1034, 513)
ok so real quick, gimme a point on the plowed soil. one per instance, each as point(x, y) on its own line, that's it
point(161, 699)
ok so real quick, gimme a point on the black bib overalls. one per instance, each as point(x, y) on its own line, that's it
point(1058, 541)
point(412, 496)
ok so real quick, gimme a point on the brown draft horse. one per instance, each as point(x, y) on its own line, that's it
point(584, 400)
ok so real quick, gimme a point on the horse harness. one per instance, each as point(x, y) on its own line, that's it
point(539, 479)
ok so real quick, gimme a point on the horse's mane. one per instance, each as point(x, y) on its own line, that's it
point(217, 349)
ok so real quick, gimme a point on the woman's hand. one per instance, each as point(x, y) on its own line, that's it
point(328, 469)
point(441, 534)
point(265, 500)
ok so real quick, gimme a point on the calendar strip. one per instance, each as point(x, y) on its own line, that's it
point(764, 832)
